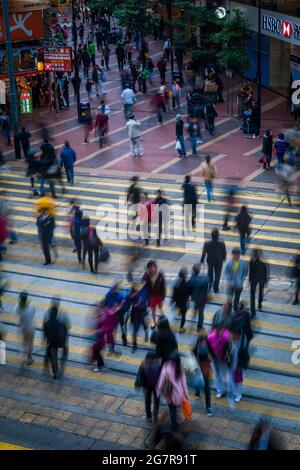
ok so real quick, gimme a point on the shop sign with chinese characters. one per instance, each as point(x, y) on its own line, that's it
point(58, 60)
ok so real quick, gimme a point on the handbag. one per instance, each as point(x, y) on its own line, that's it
point(178, 145)
point(263, 159)
point(104, 255)
point(187, 409)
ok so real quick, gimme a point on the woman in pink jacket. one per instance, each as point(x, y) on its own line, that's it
point(172, 384)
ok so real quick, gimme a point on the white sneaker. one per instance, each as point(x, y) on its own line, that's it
point(219, 395)
point(238, 398)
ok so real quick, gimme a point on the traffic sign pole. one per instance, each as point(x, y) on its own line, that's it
point(14, 113)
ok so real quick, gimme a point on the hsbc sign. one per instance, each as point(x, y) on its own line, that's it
point(281, 28)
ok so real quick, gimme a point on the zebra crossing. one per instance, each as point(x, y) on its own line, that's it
point(271, 385)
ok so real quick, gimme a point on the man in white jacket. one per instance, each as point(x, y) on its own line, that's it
point(134, 134)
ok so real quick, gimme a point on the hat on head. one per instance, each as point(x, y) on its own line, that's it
point(178, 116)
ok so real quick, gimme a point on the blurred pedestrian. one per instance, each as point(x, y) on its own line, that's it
point(190, 200)
point(46, 225)
point(24, 137)
point(55, 332)
point(243, 220)
point(164, 339)
point(139, 311)
point(209, 172)
point(235, 271)
point(134, 134)
point(26, 314)
point(180, 296)
point(91, 245)
point(162, 68)
point(296, 275)
point(155, 283)
point(198, 286)
point(172, 384)
point(202, 355)
point(239, 361)
point(215, 253)
point(258, 276)
point(147, 378)
point(267, 149)
point(219, 342)
point(280, 148)
point(179, 136)
point(129, 99)
point(230, 205)
point(68, 159)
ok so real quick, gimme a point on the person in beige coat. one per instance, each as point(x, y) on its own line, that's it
point(208, 172)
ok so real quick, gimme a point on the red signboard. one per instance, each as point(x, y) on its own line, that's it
point(24, 26)
point(59, 60)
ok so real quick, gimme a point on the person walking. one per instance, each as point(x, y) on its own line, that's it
point(208, 172)
point(210, 114)
point(24, 137)
point(198, 286)
point(180, 297)
point(26, 314)
point(176, 93)
point(194, 134)
point(120, 53)
point(91, 245)
point(128, 51)
point(147, 378)
point(134, 134)
point(243, 220)
point(96, 77)
point(129, 98)
point(167, 49)
point(236, 271)
point(67, 160)
point(239, 361)
point(162, 215)
point(91, 48)
point(86, 60)
point(5, 127)
point(219, 343)
point(258, 276)
point(162, 68)
point(280, 147)
point(46, 225)
point(138, 315)
point(202, 354)
point(214, 251)
point(81, 32)
point(75, 229)
point(267, 149)
point(179, 136)
point(230, 205)
point(156, 285)
point(190, 200)
point(106, 55)
point(55, 333)
point(296, 275)
point(172, 384)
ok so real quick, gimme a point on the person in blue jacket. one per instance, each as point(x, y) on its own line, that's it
point(67, 159)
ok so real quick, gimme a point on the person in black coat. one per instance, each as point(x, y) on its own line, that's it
point(45, 224)
point(258, 275)
point(56, 333)
point(243, 220)
point(215, 253)
point(296, 275)
point(164, 339)
point(180, 296)
point(24, 137)
point(267, 149)
point(240, 321)
point(190, 199)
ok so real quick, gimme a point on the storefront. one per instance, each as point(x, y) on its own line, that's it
point(280, 46)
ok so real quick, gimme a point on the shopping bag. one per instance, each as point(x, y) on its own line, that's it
point(186, 409)
point(104, 255)
point(177, 145)
point(2, 353)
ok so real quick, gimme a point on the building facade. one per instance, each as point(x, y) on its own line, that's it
point(280, 41)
